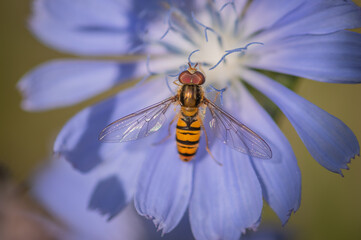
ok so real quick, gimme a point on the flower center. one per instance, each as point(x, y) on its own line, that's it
point(211, 38)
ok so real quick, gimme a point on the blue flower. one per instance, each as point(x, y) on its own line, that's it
point(232, 40)
point(63, 191)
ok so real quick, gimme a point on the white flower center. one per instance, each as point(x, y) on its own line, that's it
point(212, 39)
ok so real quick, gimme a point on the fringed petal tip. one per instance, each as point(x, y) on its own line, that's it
point(346, 167)
point(253, 227)
point(164, 187)
point(285, 221)
point(159, 223)
point(330, 141)
point(22, 86)
point(26, 105)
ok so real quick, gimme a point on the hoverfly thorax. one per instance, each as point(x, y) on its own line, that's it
point(190, 96)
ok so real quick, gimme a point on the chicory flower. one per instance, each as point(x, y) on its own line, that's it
point(232, 40)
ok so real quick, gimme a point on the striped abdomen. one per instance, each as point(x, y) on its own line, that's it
point(188, 133)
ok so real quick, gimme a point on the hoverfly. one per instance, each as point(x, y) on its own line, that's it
point(190, 97)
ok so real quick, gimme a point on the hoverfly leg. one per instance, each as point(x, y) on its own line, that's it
point(219, 92)
point(207, 147)
point(175, 82)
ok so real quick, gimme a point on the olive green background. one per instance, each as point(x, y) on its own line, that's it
point(330, 207)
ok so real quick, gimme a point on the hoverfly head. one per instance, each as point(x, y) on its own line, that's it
point(192, 76)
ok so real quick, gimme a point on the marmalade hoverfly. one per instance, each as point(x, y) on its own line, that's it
point(190, 97)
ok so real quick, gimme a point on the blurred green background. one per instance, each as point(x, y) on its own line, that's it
point(331, 205)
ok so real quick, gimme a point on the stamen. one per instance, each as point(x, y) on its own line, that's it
point(207, 29)
point(172, 25)
point(190, 55)
point(167, 82)
point(210, 88)
point(136, 48)
point(170, 47)
point(147, 65)
point(169, 21)
point(150, 73)
point(181, 69)
point(241, 50)
point(216, 17)
point(227, 4)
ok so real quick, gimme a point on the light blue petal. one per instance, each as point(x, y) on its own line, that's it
point(181, 232)
point(96, 27)
point(164, 186)
point(279, 176)
point(326, 137)
point(329, 58)
point(93, 27)
point(84, 13)
point(81, 41)
point(78, 140)
point(315, 17)
point(226, 199)
point(271, 12)
point(65, 193)
point(62, 83)
point(117, 177)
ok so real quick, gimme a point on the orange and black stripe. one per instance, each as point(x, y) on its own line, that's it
point(188, 133)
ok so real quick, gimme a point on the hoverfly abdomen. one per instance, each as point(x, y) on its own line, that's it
point(188, 133)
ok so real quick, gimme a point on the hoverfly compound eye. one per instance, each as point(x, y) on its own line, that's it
point(196, 78)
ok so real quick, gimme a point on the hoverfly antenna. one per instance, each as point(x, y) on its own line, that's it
point(191, 69)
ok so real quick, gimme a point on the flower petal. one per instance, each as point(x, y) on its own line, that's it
point(65, 193)
point(271, 12)
point(229, 12)
point(329, 58)
point(62, 83)
point(280, 176)
point(84, 31)
point(78, 140)
point(226, 199)
point(326, 137)
point(81, 27)
point(82, 13)
point(315, 17)
point(164, 186)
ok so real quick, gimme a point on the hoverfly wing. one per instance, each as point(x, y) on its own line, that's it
point(235, 134)
point(137, 125)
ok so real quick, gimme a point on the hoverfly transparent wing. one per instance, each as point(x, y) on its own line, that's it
point(235, 134)
point(137, 125)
